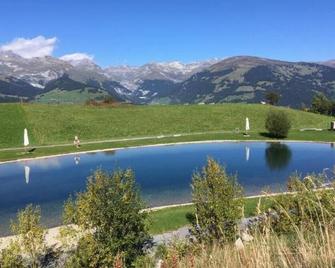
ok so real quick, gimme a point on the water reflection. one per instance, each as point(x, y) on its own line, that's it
point(77, 160)
point(247, 153)
point(277, 155)
point(110, 152)
point(26, 173)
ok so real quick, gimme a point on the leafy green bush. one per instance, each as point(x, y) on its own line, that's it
point(27, 248)
point(31, 235)
point(110, 213)
point(277, 123)
point(322, 105)
point(218, 204)
point(11, 256)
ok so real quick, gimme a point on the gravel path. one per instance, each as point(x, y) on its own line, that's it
point(181, 233)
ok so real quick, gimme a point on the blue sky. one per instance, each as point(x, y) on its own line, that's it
point(139, 31)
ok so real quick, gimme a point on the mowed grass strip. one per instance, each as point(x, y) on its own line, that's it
point(40, 152)
point(56, 124)
point(169, 219)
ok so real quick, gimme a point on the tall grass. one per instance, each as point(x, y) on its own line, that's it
point(298, 232)
point(271, 250)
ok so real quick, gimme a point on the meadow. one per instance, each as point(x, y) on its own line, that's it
point(50, 125)
point(169, 219)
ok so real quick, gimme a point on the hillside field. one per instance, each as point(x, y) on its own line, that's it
point(58, 124)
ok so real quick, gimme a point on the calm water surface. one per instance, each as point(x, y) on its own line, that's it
point(163, 172)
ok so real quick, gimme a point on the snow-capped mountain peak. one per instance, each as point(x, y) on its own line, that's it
point(175, 71)
point(39, 71)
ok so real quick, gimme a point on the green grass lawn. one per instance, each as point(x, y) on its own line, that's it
point(169, 219)
point(58, 124)
point(12, 123)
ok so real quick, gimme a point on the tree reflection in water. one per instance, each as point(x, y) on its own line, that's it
point(277, 155)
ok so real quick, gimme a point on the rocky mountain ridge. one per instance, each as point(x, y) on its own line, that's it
point(235, 79)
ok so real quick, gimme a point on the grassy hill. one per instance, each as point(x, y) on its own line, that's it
point(58, 124)
point(247, 79)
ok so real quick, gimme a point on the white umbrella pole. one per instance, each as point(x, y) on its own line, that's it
point(247, 125)
point(25, 139)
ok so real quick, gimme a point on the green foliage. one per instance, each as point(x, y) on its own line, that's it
point(90, 253)
point(308, 206)
point(169, 219)
point(174, 251)
point(272, 97)
point(218, 204)
point(110, 212)
point(322, 105)
point(11, 257)
point(277, 123)
point(31, 235)
point(145, 261)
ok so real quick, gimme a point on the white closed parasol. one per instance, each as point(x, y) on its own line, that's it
point(247, 125)
point(25, 138)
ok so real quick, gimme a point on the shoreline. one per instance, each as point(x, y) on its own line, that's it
point(156, 145)
point(153, 209)
point(52, 234)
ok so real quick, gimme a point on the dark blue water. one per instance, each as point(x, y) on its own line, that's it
point(163, 173)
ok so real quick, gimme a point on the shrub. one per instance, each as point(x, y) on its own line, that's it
point(30, 234)
point(322, 105)
point(218, 204)
point(277, 123)
point(108, 100)
point(11, 256)
point(272, 97)
point(112, 207)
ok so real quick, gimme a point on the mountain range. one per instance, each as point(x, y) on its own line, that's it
point(235, 79)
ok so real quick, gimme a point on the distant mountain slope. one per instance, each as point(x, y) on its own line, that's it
point(247, 79)
point(175, 71)
point(13, 88)
point(236, 79)
point(330, 63)
point(65, 83)
point(155, 91)
point(29, 78)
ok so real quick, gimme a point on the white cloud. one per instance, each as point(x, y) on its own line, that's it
point(77, 57)
point(30, 48)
